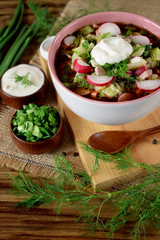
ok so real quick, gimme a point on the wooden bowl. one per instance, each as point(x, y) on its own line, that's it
point(39, 147)
point(17, 102)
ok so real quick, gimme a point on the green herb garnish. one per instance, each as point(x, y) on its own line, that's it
point(129, 30)
point(77, 40)
point(147, 51)
point(117, 69)
point(33, 123)
point(80, 81)
point(24, 80)
point(139, 203)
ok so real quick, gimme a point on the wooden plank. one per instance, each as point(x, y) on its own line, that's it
point(42, 223)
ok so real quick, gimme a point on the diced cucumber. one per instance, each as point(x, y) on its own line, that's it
point(138, 50)
point(136, 62)
point(80, 51)
point(87, 29)
point(102, 36)
point(113, 90)
point(91, 37)
point(83, 47)
point(152, 64)
point(155, 54)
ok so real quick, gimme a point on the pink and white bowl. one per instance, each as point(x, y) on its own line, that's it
point(107, 113)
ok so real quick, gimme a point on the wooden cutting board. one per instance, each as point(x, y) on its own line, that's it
point(143, 150)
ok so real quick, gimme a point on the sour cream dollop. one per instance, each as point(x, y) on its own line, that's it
point(17, 89)
point(111, 50)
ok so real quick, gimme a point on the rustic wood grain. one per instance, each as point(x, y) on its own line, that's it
point(41, 223)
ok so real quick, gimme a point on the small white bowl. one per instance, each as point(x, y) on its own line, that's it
point(44, 47)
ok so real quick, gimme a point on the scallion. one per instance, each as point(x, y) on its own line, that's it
point(35, 122)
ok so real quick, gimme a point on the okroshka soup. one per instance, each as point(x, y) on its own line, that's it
point(111, 58)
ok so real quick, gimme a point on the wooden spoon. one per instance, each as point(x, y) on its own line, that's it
point(115, 141)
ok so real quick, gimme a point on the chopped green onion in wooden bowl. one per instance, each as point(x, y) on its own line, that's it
point(37, 128)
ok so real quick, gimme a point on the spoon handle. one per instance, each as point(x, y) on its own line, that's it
point(150, 131)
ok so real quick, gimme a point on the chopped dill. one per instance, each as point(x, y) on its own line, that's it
point(80, 81)
point(117, 69)
point(24, 80)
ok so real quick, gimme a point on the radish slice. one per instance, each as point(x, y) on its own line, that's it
point(69, 40)
point(148, 85)
point(140, 70)
point(109, 27)
point(126, 97)
point(140, 39)
point(99, 80)
point(81, 67)
point(129, 72)
point(146, 74)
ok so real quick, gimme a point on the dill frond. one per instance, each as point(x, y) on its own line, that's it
point(139, 203)
point(123, 160)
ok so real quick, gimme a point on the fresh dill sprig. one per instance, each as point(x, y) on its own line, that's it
point(24, 80)
point(44, 20)
point(60, 191)
point(139, 203)
point(123, 160)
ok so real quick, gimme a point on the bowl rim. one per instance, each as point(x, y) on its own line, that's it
point(56, 44)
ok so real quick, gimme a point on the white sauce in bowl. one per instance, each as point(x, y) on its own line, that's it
point(17, 89)
point(111, 50)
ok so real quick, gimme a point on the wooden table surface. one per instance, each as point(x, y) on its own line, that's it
point(41, 222)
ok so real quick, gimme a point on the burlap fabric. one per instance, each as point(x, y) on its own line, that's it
point(43, 164)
